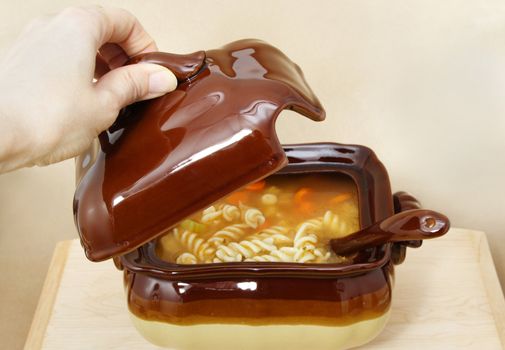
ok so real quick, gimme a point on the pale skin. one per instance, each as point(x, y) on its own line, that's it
point(50, 107)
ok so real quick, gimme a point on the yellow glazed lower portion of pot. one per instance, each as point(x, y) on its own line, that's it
point(244, 337)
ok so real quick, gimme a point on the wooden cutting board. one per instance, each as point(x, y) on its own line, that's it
point(447, 296)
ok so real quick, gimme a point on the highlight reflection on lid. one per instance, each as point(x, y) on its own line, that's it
point(167, 158)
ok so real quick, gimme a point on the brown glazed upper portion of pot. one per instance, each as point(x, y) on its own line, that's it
point(167, 158)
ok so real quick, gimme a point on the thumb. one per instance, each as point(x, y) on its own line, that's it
point(136, 82)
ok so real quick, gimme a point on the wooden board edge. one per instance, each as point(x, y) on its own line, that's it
point(50, 288)
point(47, 297)
point(491, 284)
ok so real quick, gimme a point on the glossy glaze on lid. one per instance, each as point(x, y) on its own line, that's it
point(167, 158)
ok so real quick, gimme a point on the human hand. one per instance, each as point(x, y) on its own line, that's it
point(50, 108)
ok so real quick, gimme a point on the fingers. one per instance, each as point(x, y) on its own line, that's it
point(119, 26)
point(110, 56)
point(125, 85)
point(101, 67)
point(113, 54)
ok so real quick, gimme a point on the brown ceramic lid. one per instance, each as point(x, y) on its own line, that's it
point(167, 158)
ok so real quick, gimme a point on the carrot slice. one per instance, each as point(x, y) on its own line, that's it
point(237, 197)
point(256, 186)
point(301, 195)
point(340, 198)
point(301, 200)
point(305, 208)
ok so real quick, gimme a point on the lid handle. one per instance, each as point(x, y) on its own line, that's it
point(183, 66)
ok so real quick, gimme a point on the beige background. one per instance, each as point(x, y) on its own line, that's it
point(420, 82)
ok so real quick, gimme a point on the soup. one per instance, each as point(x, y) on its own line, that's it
point(288, 218)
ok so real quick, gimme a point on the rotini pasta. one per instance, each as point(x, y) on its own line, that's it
point(309, 226)
point(211, 214)
point(304, 256)
point(230, 212)
point(266, 223)
point(306, 246)
point(307, 242)
point(269, 199)
point(197, 246)
point(186, 258)
point(283, 254)
point(214, 215)
point(334, 225)
point(254, 217)
point(245, 249)
point(322, 255)
point(277, 233)
point(228, 234)
point(226, 254)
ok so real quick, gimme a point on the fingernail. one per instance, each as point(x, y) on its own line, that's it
point(161, 81)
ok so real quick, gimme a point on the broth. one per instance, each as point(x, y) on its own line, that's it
point(284, 218)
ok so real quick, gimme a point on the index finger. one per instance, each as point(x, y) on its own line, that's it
point(116, 25)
